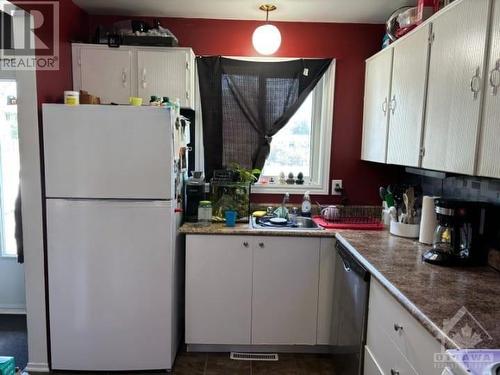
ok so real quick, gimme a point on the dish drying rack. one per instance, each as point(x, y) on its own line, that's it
point(353, 217)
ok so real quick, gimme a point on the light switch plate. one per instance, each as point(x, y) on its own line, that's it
point(335, 184)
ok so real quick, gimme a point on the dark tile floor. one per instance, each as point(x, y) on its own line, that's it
point(221, 364)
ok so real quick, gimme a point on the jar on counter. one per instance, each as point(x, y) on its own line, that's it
point(205, 213)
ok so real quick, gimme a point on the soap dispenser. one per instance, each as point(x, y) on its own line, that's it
point(306, 205)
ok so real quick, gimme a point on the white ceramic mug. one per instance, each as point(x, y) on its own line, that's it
point(330, 213)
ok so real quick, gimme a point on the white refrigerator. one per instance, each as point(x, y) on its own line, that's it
point(115, 272)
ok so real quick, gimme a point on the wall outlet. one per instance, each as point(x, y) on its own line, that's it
point(337, 187)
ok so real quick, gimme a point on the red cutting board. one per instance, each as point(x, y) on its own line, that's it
point(358, 226)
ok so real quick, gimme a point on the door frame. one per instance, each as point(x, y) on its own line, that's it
point(32, 214)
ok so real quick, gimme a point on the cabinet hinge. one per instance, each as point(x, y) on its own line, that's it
point(187, 95)
point(422, 152)
point(432, 37)
point(187, 65)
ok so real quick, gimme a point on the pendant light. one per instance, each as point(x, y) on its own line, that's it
point(266, 39)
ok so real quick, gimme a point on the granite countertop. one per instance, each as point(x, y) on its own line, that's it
point(432, 294)
point(245, 229)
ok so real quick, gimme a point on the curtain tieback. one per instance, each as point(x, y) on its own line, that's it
point(268, 139)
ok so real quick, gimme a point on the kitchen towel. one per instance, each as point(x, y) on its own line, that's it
point(429, 220)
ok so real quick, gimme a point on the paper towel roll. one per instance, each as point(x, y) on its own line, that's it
point(429, 221)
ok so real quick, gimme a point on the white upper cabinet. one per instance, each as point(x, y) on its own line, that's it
point(409, 79)
point(105, 73)
point(490, 144)
point(115, 74)
point(455, 87)
point(376, 107)
point(165, 73)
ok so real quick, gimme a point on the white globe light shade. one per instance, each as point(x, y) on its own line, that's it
point(266, 39)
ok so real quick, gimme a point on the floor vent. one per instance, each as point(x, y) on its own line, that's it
point(254, 356)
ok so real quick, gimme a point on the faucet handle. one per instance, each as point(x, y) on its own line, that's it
point(295, 210)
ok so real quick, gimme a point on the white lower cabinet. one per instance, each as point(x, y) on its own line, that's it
point(396, 342)
point(244, 290)
point(218, 290)
point(285, 290)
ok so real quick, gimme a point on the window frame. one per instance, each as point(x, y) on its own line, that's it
point(321, 139)
point(10, 76)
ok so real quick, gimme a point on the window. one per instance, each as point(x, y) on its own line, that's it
point(9, 166)
point(303, 145)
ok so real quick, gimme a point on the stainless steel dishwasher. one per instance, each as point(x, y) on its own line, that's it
point(352, 283)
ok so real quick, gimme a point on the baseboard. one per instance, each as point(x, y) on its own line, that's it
point(311, 349)
point(37, 367)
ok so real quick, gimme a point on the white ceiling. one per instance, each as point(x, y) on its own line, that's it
point(356, 11)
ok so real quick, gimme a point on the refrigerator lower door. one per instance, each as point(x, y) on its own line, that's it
point(110, 284)
point(99, 151)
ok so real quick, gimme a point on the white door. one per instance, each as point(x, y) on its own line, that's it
point(218, 290)
point(285, 290)
point(164, 73)
point(107, 152)
point(106, 73)
point(490, 146)
point(109, 270)
point(409, 82)
point(376, 107)
point(455, 87)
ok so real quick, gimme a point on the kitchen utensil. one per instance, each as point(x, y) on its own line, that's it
point(389, 199)
point(330, 213)
point(382, 192)
point(394, 213)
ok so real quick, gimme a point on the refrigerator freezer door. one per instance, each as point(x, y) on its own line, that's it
point(98, 151)
point(110, 284)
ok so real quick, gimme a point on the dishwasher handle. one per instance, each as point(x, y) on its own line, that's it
point(351, 264)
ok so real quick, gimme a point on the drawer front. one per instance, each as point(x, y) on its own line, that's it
point(385, 353)
point(409, 336)
point(371, 366)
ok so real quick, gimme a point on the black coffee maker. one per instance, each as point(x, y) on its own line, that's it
point(460, 237)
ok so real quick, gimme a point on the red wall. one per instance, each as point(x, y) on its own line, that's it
point(349, 44)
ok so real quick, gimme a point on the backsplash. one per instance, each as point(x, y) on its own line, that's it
point(460, 187)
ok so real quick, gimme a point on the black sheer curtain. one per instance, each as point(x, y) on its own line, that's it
point(245, 103)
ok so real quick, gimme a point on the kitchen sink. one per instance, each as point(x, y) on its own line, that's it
point(300, 223)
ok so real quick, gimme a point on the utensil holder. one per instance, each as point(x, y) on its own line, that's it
point(404, 230)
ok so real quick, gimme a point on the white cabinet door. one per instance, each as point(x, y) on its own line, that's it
point(376, 106)
point(218, 290)
point(164, 73)
point(455, 87)
point(490, 146)
point(285, 290)
point(409, 80)
point(106, 73)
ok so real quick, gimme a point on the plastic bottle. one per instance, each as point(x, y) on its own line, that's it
point(306, 205)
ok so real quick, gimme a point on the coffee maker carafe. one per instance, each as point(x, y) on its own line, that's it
point(459, 238)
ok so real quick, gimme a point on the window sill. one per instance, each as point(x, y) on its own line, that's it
point(292, 189)
point(8, 256)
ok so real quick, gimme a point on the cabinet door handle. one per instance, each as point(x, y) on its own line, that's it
point(124, 78)
point(384, 107)
point(144, 81)
point(398, 327)
point(475, 83)
point(261, 245)
point(393, 104)
point(394, 372)
point(495, 78)
point(245, 244)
